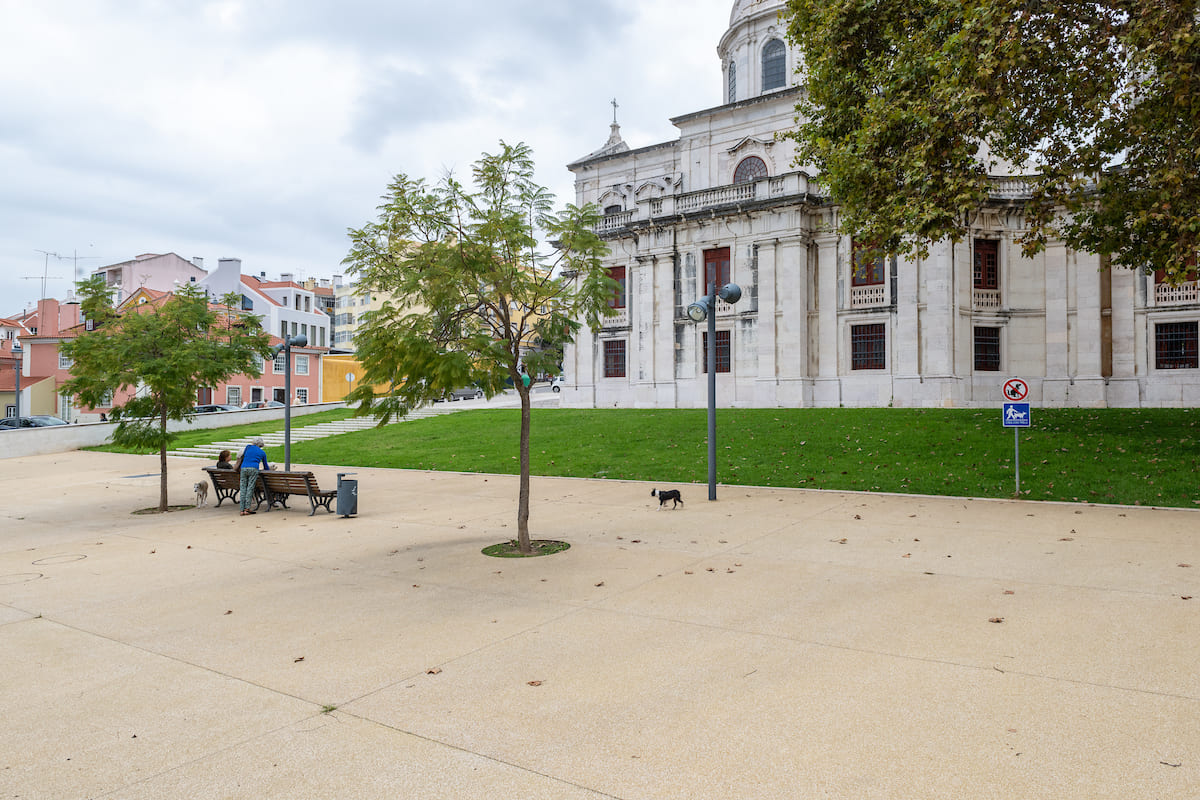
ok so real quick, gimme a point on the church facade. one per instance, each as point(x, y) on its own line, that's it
point(813, 327)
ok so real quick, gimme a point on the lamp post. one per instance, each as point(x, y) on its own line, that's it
point(706, 308)
point(286, 347)
point(18, 353)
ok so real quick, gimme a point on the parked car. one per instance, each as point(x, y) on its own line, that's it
point(557, 384)
point(209, 408)
point(33, 421)
point(466, 393)
point(261, 404)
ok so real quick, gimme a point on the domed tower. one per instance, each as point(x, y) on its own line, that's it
point(755, 56)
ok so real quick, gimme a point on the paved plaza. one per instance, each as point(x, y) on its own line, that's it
point(771, 644)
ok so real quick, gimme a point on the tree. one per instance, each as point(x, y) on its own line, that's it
point(163, 352)
point(911, 103)
point(472, 299)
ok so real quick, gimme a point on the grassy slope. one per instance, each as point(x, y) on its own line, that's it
point(1148, 456)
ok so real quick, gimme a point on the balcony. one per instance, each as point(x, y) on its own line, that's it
point(985, 299)
point(1167, 295)
point(868, 296)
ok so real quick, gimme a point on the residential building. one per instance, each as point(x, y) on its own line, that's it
point(817, 326)
point(162, 272)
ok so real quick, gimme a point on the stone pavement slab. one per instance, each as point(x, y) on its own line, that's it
point(775, 643)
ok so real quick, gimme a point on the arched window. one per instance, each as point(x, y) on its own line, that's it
point(774, 65)
point(615, 209)
point(751, 168)
point(732, 92)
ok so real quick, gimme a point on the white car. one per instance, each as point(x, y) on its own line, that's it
point(557, 384)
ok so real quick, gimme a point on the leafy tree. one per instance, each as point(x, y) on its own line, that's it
point(472, 301)
point(911, 102)
point(163, 352)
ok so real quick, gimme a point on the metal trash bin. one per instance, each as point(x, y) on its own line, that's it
point(347, 495)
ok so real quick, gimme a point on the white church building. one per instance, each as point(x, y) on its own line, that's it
point(726, 201)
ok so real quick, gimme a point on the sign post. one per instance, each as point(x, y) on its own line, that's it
point(1017, 416)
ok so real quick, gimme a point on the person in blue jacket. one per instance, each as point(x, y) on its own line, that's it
point(252, 460)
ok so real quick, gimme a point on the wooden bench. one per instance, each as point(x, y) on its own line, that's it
point(228, 483)
point(281, 485)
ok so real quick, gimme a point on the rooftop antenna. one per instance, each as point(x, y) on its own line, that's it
point(45, 272)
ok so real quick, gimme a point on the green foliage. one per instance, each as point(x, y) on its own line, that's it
point(911, 102)
point(471, 299)
point(1127, 456)
point(467, 285)
point(163, 352)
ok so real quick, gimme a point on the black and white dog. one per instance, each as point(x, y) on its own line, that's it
point(667, 496)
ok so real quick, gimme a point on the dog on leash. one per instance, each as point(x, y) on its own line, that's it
point(666, 496)
point(201, 489)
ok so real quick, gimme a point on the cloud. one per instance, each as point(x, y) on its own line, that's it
point(264, 129)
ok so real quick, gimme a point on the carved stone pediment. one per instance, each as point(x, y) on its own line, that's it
point(752, 143)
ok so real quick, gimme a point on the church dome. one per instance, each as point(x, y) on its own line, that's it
point(744, 9)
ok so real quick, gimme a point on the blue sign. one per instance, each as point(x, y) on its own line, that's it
point(1016, 415)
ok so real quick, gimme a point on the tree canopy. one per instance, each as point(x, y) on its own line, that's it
point(162, 353)
point(470, 299)
point(911, 103)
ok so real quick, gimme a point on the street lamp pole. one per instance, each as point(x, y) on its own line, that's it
point(712, 391)
point(18, 353)
point(286, 347)
point(706, 308)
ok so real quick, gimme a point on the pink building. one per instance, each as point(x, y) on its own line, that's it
point(44, 370)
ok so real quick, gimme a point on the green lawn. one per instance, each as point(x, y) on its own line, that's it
point(1148, 457)
point(203, 436)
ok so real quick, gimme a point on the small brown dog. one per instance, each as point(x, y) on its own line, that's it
point(201, 489)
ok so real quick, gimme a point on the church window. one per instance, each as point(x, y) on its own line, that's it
point(618, 298)
point(987, 261)
point(867, 343)
point(716, 267)
point(1175, 345)
point(614, 358)
point(987, 349)
point(749, 169)
point(731, 94)
point(865, 272)
point(774, 65)
point(723, 358)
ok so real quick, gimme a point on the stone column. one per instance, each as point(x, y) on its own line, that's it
point(1123, 388)
point(827, 386)
point(1088, 387)
point(766, 379)
point(1057, 377)
point(906, 350)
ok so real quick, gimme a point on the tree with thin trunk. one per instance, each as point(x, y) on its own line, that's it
point(471, 301)
point(161, 353)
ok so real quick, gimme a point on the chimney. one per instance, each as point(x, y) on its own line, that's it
point(337, 281)
point(323, 283)
point(198, 261)
point(286, 277)
point(262, 276)
point(48, 317)
point(236, 262)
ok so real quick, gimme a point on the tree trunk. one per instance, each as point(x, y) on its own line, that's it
point(523, 501)
point(162, 465)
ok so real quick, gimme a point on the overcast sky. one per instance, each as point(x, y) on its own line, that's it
point(263, 129)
